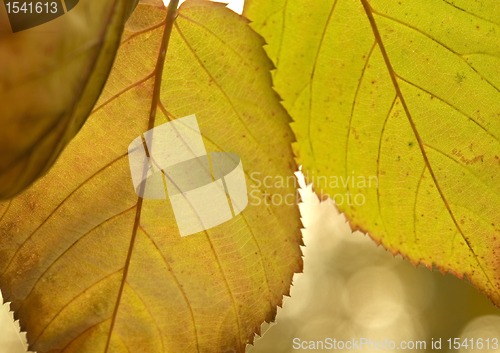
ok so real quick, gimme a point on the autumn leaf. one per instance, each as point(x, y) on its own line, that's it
point(91, 267)
point(50, 78)
point(396, 108)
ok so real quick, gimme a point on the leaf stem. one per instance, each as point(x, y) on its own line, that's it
point(160, 63)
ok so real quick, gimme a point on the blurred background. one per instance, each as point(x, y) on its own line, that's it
point(352, 289)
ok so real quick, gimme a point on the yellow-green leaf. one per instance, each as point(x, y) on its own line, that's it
point(50, 78)
point(90, 267)
point(404, 95)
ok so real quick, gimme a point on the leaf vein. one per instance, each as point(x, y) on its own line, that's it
point(72, 246)
point(461, 56)
point(369, 13)
point(70, 302)
point(355, 98)
point(178, 283)
point(378, 159)
point(320, 45)
point(188, 45)
point(58, 207)
point(150, 314)
point(452, 106)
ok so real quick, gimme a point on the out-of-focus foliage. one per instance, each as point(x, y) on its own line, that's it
point(93, 268)
point(396, 108)
point(50, 78)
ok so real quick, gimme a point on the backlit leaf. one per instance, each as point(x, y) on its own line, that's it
point(50, 78)
point(90, 267)
point(397, 117)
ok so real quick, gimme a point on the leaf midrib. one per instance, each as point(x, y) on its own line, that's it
point(169, 22)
